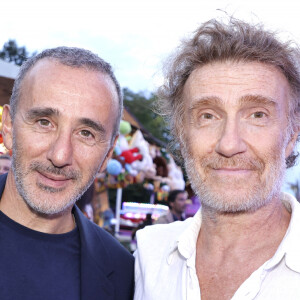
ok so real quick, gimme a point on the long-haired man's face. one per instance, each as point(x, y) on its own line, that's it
point(236, 134)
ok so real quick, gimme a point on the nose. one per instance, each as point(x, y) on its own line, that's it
point(60, 151)
point(231, 141)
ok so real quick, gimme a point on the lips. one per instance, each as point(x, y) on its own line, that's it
point(54, 177)
point(233, 164)
point(53, 180)
point(233, 170)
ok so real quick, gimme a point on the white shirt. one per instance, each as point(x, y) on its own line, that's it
point(165, 263)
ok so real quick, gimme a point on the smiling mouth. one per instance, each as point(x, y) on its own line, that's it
point(232, 171)
point(52, 180)
point(54, 177)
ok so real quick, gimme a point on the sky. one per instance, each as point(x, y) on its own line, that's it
point(134, 36)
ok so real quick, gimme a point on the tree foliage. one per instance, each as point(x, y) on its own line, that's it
point(11, 52)
point(142, 107)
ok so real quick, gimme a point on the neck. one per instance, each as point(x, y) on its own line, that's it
point(241, 230)
point(13, 206)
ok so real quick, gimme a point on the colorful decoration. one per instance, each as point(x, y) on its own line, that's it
point(146, 164)
point(114, 167)
point(176, 176)
point(3, 149)
point(131, 155)
point(125, 127)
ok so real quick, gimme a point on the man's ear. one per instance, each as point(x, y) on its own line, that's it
point(291, 144)
point(109, 154)
point(7, 127)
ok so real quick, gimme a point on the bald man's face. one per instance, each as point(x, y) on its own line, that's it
point(62, 134)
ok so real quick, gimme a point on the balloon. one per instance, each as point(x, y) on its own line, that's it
point(117, 150)
point(114, 167)
point(131, 155)
point(125, 127)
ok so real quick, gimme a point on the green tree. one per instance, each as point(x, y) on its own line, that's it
point(12, 53)
point(141, 106)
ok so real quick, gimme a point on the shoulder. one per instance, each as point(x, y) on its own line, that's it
point(154, 246)
point(165, 219)
point(93, 234)
point(102, 252)
point(110, 241)
point(160, 235)
point(162, 220)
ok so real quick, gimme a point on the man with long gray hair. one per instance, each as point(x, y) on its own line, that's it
point(231, 96)
point(62, 125)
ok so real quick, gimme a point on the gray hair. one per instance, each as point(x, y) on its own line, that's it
point(72, 57)
point(237, 41)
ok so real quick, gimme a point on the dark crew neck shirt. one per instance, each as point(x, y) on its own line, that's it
point(36, 265)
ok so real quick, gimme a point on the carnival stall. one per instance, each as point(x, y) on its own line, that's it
point(137, 182)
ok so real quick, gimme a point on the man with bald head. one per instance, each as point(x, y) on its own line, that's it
point(62, 124)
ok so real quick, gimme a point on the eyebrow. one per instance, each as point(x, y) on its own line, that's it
point(258, 99)
point(41, 112)
point(247, 99)
point(92, 124)
point(49, 112)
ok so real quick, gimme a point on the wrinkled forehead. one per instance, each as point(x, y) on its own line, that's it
point(72, 93)
point(49, 70)
point(49, 79)
point(235, 82)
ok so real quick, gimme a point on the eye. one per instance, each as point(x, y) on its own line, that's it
point(86, 134)
point(258, 115)
point(44, 122)
point(87, 137)
point(207, 116)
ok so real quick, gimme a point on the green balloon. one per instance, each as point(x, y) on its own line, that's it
point(125, 127)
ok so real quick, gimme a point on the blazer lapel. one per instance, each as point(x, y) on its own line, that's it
point(95, 262)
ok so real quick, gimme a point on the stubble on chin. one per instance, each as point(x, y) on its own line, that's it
point(224, 194)
point(45, 200)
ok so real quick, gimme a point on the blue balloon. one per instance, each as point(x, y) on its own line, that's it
point(118, 150)
point(114, 167)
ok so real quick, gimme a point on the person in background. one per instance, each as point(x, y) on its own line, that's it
point(177, 205)
point(147, 222)
point(5, 163)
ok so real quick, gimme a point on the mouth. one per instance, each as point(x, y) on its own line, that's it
point(53, 180)
point(232, 171)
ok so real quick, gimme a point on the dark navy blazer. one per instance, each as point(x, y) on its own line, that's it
point(107, 268)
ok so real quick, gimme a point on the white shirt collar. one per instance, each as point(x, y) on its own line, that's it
point(186, 242)
point(290, 245)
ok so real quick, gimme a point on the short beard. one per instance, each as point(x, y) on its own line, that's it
point(248, 199)
point(46, 206)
